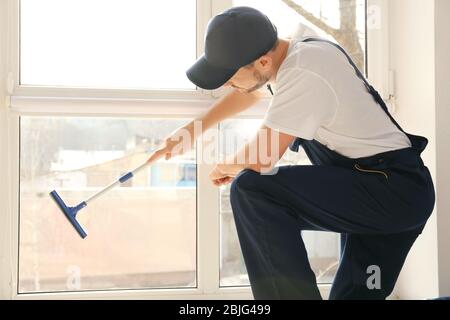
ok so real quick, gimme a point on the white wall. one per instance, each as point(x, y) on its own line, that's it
point(418, 59)
point(442, 36)
point(5, 248)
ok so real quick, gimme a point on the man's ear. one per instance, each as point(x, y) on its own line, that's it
point(264, 63)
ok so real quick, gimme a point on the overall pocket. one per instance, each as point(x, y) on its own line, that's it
point(373, 171)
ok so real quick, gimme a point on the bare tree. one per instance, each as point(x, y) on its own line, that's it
point(346, 35)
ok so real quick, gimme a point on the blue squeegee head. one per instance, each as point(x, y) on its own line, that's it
point(70, 212)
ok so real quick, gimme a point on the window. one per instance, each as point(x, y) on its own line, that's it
point(141, 235)
point(233, 135)
point(107, 44)
point(96, 85)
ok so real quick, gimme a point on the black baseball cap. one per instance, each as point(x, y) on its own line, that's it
point(234, 38)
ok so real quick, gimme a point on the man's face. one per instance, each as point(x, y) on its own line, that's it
point(248, 79)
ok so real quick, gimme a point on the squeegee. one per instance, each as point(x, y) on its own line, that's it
point(71, 212)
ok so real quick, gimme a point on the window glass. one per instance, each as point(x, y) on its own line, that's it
point(141, 234)
point(107, 43)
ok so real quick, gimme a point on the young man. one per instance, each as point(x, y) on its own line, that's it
point(367, 182)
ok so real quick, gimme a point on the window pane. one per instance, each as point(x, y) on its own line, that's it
point(343, 21)
point(108, 44)
point(141, 234)
point(323, 247)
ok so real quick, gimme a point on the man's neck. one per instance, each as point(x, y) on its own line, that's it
point(279, 56)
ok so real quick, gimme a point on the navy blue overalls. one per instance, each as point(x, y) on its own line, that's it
point(379, 205)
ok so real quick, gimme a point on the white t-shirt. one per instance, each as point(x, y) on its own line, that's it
point(317, 95)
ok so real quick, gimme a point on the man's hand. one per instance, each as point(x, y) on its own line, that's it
point(222, 174)
point(175, 144)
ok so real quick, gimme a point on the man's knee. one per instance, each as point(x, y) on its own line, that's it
point(240, 197)
point(242, 182)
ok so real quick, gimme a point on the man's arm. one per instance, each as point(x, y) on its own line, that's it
point(229, 105)
point(260, 155)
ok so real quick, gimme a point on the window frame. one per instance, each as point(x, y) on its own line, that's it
point(203, 13)
point(36, 100)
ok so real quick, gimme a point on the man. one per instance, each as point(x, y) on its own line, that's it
point(367, 182)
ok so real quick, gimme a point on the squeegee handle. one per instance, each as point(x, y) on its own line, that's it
point(121, 180)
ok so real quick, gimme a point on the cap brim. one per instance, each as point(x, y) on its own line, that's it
point(207, 76)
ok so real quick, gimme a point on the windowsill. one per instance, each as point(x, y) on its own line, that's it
point(232, 293)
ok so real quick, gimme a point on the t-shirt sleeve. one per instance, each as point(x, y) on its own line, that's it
point(303, 102)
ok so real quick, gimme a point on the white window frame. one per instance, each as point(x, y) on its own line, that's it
point(379, 73)
point(34, 100)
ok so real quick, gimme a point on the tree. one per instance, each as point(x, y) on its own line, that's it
point(346, 35)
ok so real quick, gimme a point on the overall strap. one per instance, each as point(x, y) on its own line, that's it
point(371, 89)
